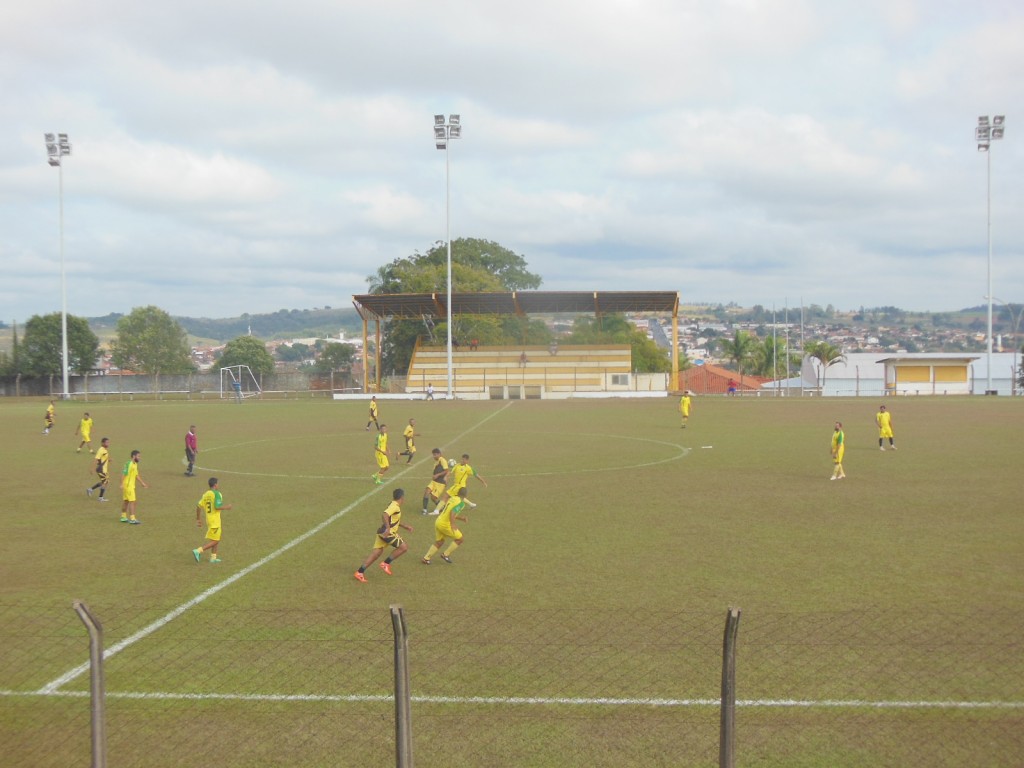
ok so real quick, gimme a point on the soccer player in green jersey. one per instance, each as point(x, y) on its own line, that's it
point(388, 536)
point(459, 476)
point(444, 528)
point(381, 452)
point(129, 476)
point(212, 503)
point(838, 449)
point(102, 469)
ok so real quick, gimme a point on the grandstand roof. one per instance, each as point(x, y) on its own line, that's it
point(415, 305)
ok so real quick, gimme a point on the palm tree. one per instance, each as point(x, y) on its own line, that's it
point(826, 354)
point(769, 358)
point(740, 350)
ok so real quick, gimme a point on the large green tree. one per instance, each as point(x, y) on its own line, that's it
point(1020, 370)
point(769, 358)
point(250, 351)
point(10, 365)
point(647, 356)
point(335, 357)
point(477, 266)
point(740, 350)
point(294, 353)
point(150, 341)
point(40, 351)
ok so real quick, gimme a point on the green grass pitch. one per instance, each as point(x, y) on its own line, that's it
point(599, 566)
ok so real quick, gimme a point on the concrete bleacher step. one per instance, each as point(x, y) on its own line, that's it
point(571, 368)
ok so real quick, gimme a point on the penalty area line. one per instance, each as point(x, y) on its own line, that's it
point(54, 685)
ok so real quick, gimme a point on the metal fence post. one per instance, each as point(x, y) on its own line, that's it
point(97, 693)
point(727, 730)
point(403, 705)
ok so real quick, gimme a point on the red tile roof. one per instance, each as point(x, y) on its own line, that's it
point(709, 379)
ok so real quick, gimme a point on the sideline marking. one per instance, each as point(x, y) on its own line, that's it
point(81, 669)
point(529, 700)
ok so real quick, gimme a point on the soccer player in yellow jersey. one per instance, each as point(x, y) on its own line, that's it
point(381, 452)
point(373, 414)
point(884, 420)
point(49, 418)
point(388, 536)
point(438, 476)
point(459, 476)
point(212, 503)
point(838, 449)
point(102, 469)
point(684, 407)
point(129, 476)
point(85, 428)
point(444, 528)
point(409, 434)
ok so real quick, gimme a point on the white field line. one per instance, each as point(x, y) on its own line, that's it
point(67, 677)
point(535, 700)
point(681, 451)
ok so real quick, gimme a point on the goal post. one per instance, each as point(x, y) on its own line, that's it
point(238, 382)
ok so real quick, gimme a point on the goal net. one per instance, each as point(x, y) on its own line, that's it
point(238, 382)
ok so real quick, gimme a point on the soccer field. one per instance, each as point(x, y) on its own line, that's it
point(581, 622)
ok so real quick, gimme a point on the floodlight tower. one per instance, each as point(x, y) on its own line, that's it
point(58, 147)
point(985, 134)
point(443, 133)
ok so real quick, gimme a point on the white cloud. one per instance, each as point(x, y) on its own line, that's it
point(246, 157)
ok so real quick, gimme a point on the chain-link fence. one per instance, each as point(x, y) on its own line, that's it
point(297, 686)
point(199, 386)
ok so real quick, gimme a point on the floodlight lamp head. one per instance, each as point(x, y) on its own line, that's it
point(982, 133)
point(53, 149)
point(453, 119)
point(983, 120)
point(455, 132)
point(983, 147)
point(997, 133)
point(441, 144)
point(440, 133)
point(998, 119)
point(438, 119)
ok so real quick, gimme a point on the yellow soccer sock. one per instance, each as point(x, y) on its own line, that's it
point(431, 552)
point(451, 548)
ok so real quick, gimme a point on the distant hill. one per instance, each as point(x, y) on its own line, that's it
point(283, 324)
point(327, 321)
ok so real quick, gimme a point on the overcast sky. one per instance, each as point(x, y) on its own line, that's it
point(235, 157)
